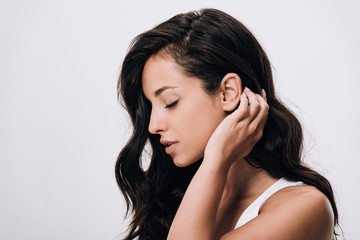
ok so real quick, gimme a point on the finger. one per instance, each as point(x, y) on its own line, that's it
point(254, 103)
point(263, 102)
point(243, 110)
point(263, 94)
point(259, 120)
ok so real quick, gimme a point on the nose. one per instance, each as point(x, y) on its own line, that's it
point(157, 124)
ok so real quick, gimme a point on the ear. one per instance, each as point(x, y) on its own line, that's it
point(230, 91)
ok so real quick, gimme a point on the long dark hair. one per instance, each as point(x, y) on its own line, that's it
point(207, 44)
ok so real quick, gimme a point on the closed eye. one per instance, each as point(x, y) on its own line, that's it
point(172, 104)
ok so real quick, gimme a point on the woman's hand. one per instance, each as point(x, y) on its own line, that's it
point(233, 139)
point(238, 133)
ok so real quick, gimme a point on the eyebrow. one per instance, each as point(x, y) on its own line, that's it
point(160, 90)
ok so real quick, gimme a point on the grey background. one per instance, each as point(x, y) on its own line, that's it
point(61, 127)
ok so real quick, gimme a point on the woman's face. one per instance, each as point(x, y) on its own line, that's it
point(182, 113)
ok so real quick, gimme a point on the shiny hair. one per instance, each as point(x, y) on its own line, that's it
point(206, 44)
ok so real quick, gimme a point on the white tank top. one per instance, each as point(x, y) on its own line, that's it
point(253, 209)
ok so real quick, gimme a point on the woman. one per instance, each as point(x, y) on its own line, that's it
point(226, 153)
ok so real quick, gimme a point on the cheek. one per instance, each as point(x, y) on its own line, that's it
point(201, 121)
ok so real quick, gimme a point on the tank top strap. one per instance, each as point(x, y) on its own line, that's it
point(253, 209)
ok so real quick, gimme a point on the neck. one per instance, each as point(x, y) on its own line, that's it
point(245, 181)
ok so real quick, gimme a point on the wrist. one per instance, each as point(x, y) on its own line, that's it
point(216, 164)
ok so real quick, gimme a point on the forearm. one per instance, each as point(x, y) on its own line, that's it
point(233, 139)
point(196, 216)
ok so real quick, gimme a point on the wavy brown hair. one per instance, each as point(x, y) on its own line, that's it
point(206, 44)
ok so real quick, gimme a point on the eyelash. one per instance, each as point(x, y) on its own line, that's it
point(172, 104)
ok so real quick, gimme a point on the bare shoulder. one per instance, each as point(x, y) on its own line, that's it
point(308, 196)
point(303, 198)
point(297, 213)
point(304, 209)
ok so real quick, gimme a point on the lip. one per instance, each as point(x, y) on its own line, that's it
point(169, 146)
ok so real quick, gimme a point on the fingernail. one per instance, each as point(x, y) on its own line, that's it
point(243, 93)
point(247, 88)
point(263, 92)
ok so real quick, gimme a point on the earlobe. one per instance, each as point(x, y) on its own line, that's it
point(231, 91)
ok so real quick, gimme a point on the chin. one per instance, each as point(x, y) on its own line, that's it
point(181, 164)
point(184, 162)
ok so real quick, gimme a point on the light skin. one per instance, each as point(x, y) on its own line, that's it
point(223, 132)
